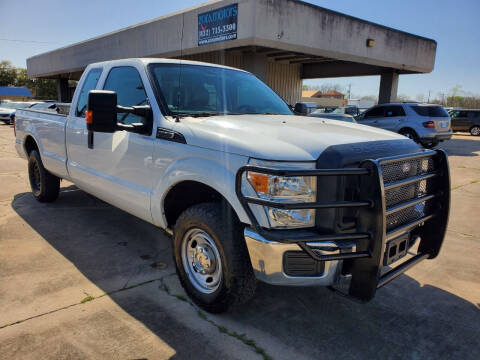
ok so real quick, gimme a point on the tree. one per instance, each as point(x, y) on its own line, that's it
point(45, 89)
point(369, 97)
point(40, 88)
point(403, 98)
point(8, 73)
point(22, 79)
point(305, 87)
point(329, 87)
point(420, 98)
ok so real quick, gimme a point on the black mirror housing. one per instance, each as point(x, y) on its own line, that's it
point(102, 111)
point(304, 108)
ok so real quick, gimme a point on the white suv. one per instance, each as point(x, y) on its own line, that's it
point(424, 123)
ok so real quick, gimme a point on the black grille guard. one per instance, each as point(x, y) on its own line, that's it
point(371, 235)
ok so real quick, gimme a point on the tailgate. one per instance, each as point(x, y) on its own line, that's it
point(442, 124)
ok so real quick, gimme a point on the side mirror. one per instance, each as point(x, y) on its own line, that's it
point(301, 109)
point(101, 114)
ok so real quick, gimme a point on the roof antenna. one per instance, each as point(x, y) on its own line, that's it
point(177, 118)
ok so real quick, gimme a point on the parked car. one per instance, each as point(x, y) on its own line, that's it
point(348, 109)
point(247, 189)
point(423, 123)
point(8, 109)
point(333, 116)
point(466, 120)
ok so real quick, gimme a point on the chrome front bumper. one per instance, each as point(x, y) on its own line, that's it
point(267, 262)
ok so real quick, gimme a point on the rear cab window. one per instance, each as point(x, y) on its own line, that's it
point(90, 83)
point(430, 111)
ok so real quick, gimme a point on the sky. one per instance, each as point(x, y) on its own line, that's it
point(31, 27)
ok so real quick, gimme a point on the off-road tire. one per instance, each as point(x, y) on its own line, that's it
point(237, 284)
point(45, 186)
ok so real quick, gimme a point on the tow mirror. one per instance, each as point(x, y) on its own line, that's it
point(304, 108)
point(101, 115)
point(301, 109)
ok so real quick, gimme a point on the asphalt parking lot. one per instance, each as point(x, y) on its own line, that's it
point(81, 279)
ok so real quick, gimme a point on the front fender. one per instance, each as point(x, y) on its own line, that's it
point(217, 175)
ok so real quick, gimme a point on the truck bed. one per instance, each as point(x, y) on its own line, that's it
point(49, 128)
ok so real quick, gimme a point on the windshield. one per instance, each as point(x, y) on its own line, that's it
point(15, 105)
point(205, 90)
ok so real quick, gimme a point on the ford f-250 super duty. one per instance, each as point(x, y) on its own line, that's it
point(248, 190)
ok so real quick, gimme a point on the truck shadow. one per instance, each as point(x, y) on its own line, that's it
point(461, 147)
point(114, 249)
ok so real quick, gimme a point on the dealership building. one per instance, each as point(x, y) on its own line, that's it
point(280, 41)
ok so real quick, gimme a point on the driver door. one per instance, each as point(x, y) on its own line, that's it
point(371, 117)
point(118, 167)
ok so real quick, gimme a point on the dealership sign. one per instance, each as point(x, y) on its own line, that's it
point(218, 25)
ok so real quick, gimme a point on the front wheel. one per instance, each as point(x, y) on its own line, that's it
point(45, 186)
point(475, 130)
point(211, 257)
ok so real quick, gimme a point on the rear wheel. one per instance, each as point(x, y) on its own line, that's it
point(45, 186)
point(211, 257)
point(409, 134)
point(475, 130)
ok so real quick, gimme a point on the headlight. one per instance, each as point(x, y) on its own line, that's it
point(285, 189)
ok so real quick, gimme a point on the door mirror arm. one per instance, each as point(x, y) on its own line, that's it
point(144, 111)
point(138, 128)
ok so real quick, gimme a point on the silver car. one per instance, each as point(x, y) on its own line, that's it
point(333, 116)
point(424, 123)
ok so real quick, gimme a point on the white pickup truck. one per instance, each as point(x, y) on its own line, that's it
point(248, 189)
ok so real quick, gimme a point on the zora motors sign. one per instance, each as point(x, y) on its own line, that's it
point(218, 25)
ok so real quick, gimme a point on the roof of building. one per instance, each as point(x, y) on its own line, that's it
point(331, 93)
point(318, 93)
point(14, 91)
point(340, 51)
point(310, 93)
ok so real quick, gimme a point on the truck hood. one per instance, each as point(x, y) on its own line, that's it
point(277, 137)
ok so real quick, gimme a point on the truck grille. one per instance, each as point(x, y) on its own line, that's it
point(406, 181)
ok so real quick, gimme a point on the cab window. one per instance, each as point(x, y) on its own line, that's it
point(90, 83)
point(126, 82)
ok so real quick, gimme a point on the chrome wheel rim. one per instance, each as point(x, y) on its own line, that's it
point(475, 131)
point(201, 260)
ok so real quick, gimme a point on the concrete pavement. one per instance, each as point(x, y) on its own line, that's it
point(81, 279)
